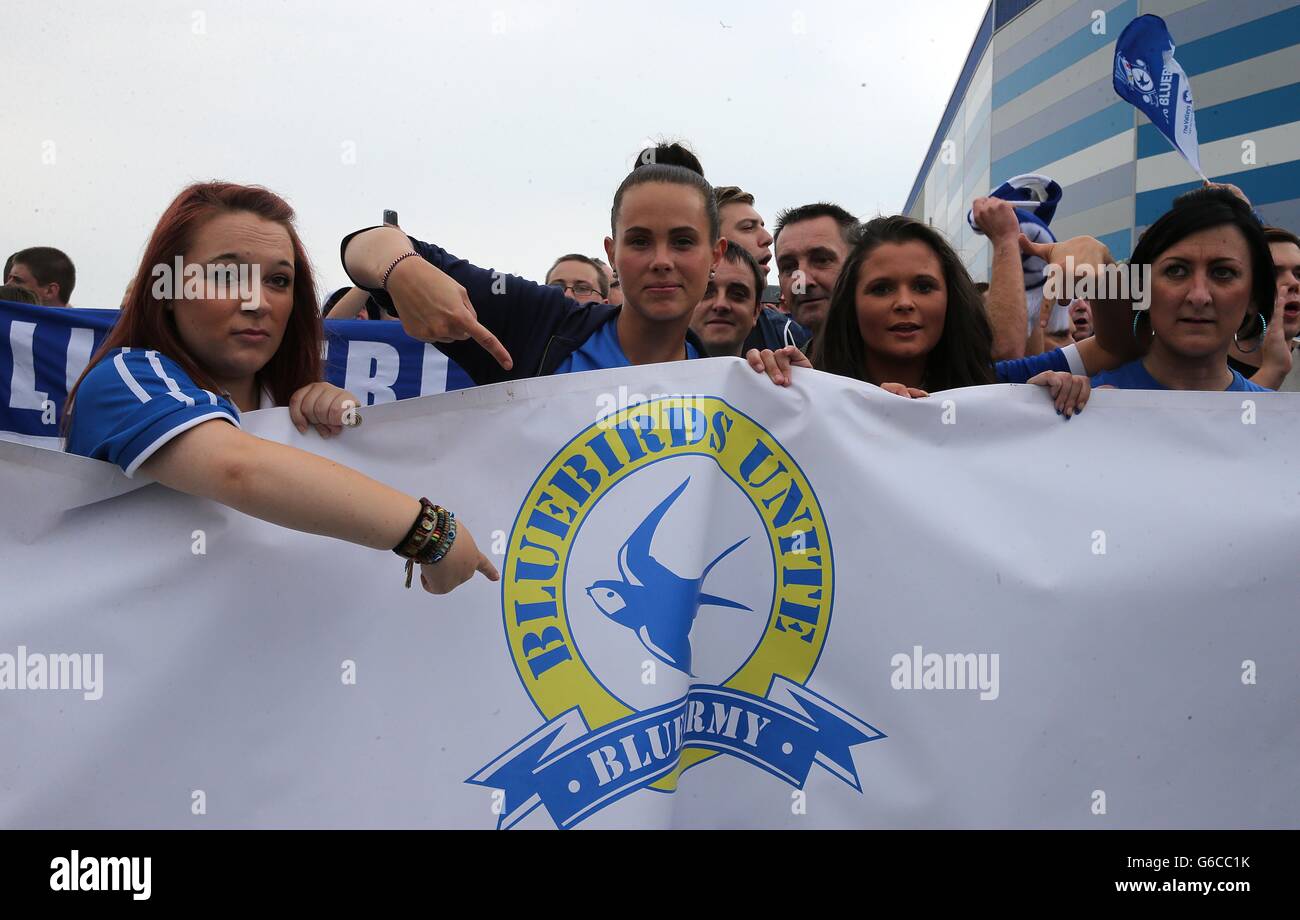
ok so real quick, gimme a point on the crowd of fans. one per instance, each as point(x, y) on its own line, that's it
point(684, 275)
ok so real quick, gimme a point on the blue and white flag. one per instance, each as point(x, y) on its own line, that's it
point(1147, 76)
point(43, 351)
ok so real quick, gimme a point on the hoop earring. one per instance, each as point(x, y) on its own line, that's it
point(1137, 316)
point(1259, 344)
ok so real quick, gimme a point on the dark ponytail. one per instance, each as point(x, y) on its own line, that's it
point(673, 154)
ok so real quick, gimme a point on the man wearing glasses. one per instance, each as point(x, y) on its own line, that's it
point(580, 278)
point(615, 296)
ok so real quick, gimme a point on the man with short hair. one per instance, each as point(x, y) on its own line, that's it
point(615, 295)
point(730, 308)
point(743, 228)
point(812, 242)
point(580, 277)
point(45, 271)
point(742, 224)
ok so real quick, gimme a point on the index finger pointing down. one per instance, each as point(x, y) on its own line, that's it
point(481, 334)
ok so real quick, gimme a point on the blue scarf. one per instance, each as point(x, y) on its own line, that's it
point(1035, 198)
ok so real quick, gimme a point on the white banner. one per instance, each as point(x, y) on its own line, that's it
point(954, 612)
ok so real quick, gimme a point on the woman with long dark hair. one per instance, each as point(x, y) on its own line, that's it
point(192, 350)
point(937, 338)
point(906, 316)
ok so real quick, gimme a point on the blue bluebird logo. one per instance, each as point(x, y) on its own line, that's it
point(654, 602)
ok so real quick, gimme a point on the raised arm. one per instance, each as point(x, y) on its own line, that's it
point(486, 321)
point(1008, 314)
point(1112, 343)
point(431, 305)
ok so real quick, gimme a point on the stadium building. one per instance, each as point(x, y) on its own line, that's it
point(1036, 96)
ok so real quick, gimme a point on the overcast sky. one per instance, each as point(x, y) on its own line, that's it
point(497, 129)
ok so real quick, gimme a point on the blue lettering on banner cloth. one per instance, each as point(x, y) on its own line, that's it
point(573, 772)
point(43, 351)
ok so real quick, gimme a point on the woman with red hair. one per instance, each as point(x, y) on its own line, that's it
point(164, 392)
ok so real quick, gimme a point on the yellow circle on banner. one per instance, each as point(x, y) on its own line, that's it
point(607, 453)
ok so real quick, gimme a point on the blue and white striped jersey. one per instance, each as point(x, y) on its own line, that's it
point(133, 402)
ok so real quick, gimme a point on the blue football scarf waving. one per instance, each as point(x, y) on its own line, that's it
point(1035, 198)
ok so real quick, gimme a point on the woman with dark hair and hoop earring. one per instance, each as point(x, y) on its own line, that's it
point(164, 392)
point(906, 316)
point(1211, 284)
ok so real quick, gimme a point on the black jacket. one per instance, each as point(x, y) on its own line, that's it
point(537, 324)
point(775, 330)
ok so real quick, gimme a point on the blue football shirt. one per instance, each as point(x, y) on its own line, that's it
point(133, 402)
point(602, 350)
point(1135, 376)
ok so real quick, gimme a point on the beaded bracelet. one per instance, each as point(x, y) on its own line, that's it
point(392, 265)
point(429, 539)
point(444, 544)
